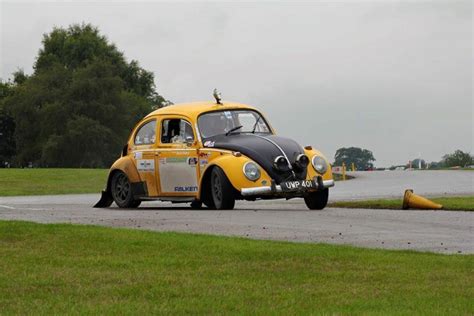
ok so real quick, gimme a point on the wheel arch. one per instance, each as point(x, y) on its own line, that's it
point(125, 165)
point(232, 167)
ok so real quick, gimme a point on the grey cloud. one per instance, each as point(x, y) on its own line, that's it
point(393, 77)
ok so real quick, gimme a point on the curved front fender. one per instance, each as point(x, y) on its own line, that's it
point(233, 169)
point(311, 172)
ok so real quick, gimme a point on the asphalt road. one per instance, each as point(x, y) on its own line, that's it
point(437, 231)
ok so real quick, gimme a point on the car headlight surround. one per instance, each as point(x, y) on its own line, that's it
point(319, 164)
point(281, 164)
point(302, 161)
point(251, 171)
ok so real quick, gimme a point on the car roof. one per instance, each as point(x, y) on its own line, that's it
point(194, 109)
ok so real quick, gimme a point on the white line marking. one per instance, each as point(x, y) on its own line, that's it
point(8, 207)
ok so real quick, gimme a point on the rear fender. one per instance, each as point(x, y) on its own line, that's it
point(126, 165)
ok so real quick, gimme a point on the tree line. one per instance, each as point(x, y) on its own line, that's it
point(363, 159)
point(458, 158)
point(77, 107)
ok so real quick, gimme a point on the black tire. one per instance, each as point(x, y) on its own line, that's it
point(196, 205)
point(222, 191)
point(122, 191)
point(317, 200)
point(209, 202)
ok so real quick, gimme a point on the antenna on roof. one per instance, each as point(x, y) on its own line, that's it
point(217, 96)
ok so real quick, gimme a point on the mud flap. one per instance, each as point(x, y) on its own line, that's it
point(105, 200)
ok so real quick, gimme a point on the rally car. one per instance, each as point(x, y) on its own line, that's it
point(214, 153)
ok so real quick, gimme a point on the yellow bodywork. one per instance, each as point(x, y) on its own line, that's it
point(157, 179)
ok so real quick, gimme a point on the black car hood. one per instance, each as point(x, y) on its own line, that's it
point(261, 149)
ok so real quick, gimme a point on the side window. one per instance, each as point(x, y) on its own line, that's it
point(146, 134)
point(176, 131)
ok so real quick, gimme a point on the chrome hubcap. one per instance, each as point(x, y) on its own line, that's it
point(122, 188)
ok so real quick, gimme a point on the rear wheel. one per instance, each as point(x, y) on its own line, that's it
point(222, 191)
point(317, 200)
point(122, 191)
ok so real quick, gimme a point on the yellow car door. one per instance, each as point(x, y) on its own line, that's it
point(177, 158)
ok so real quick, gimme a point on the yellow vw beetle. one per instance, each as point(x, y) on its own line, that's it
point(214, 153)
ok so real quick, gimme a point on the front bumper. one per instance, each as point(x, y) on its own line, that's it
point(275, 188)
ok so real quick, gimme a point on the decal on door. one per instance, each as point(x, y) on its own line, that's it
point(178, 174)
point(192, 161)
point(146, 165)
point(137, 155)
point(186, 189)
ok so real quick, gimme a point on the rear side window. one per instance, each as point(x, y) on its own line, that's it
point(146, 134)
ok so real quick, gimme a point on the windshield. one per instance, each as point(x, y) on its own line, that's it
point(232, 121)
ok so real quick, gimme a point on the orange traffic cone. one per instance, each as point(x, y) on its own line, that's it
point(411, 200)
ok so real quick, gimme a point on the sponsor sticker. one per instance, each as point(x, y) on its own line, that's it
point(228, 114)
point(177, 160)
point(138, 155)
point(204, 155)
point(186, 189)
point(192, 161)
point(146, 165)
point(203, 162)
point(209, 143)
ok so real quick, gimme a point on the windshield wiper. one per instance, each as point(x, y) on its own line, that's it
point(233, 130)
point(255, 125)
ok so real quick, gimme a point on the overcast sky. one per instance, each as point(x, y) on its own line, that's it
point(394, 77)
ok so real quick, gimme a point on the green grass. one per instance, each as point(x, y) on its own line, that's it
point(51, 181)
point(58, 269)
point(463, 203)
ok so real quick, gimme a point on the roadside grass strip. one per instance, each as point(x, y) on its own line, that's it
point(454, 203)
point(75, 269)
point(51, 181)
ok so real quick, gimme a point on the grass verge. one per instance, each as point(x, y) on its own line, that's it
point(459, 203)
point(51, 181)
point(59, 269)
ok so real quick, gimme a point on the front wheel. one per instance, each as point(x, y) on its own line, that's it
point(317, 200)
point(221, 190)
point(122, 191)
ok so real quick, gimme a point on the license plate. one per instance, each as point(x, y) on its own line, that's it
point(298, 185)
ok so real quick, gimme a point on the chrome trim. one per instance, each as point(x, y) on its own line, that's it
point(198, 132)
point(268, 189)
point(275, 162)
point(314, 167)
point(259, 172)
point(299, 157)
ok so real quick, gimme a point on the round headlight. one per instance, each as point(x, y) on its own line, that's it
point(251, 171)
point(319, 164)
point(302, 161)
point(281, 163)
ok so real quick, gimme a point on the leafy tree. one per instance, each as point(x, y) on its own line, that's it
point(78, 106)
point(458, 158)
point(362, 158)
point(7, 126)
